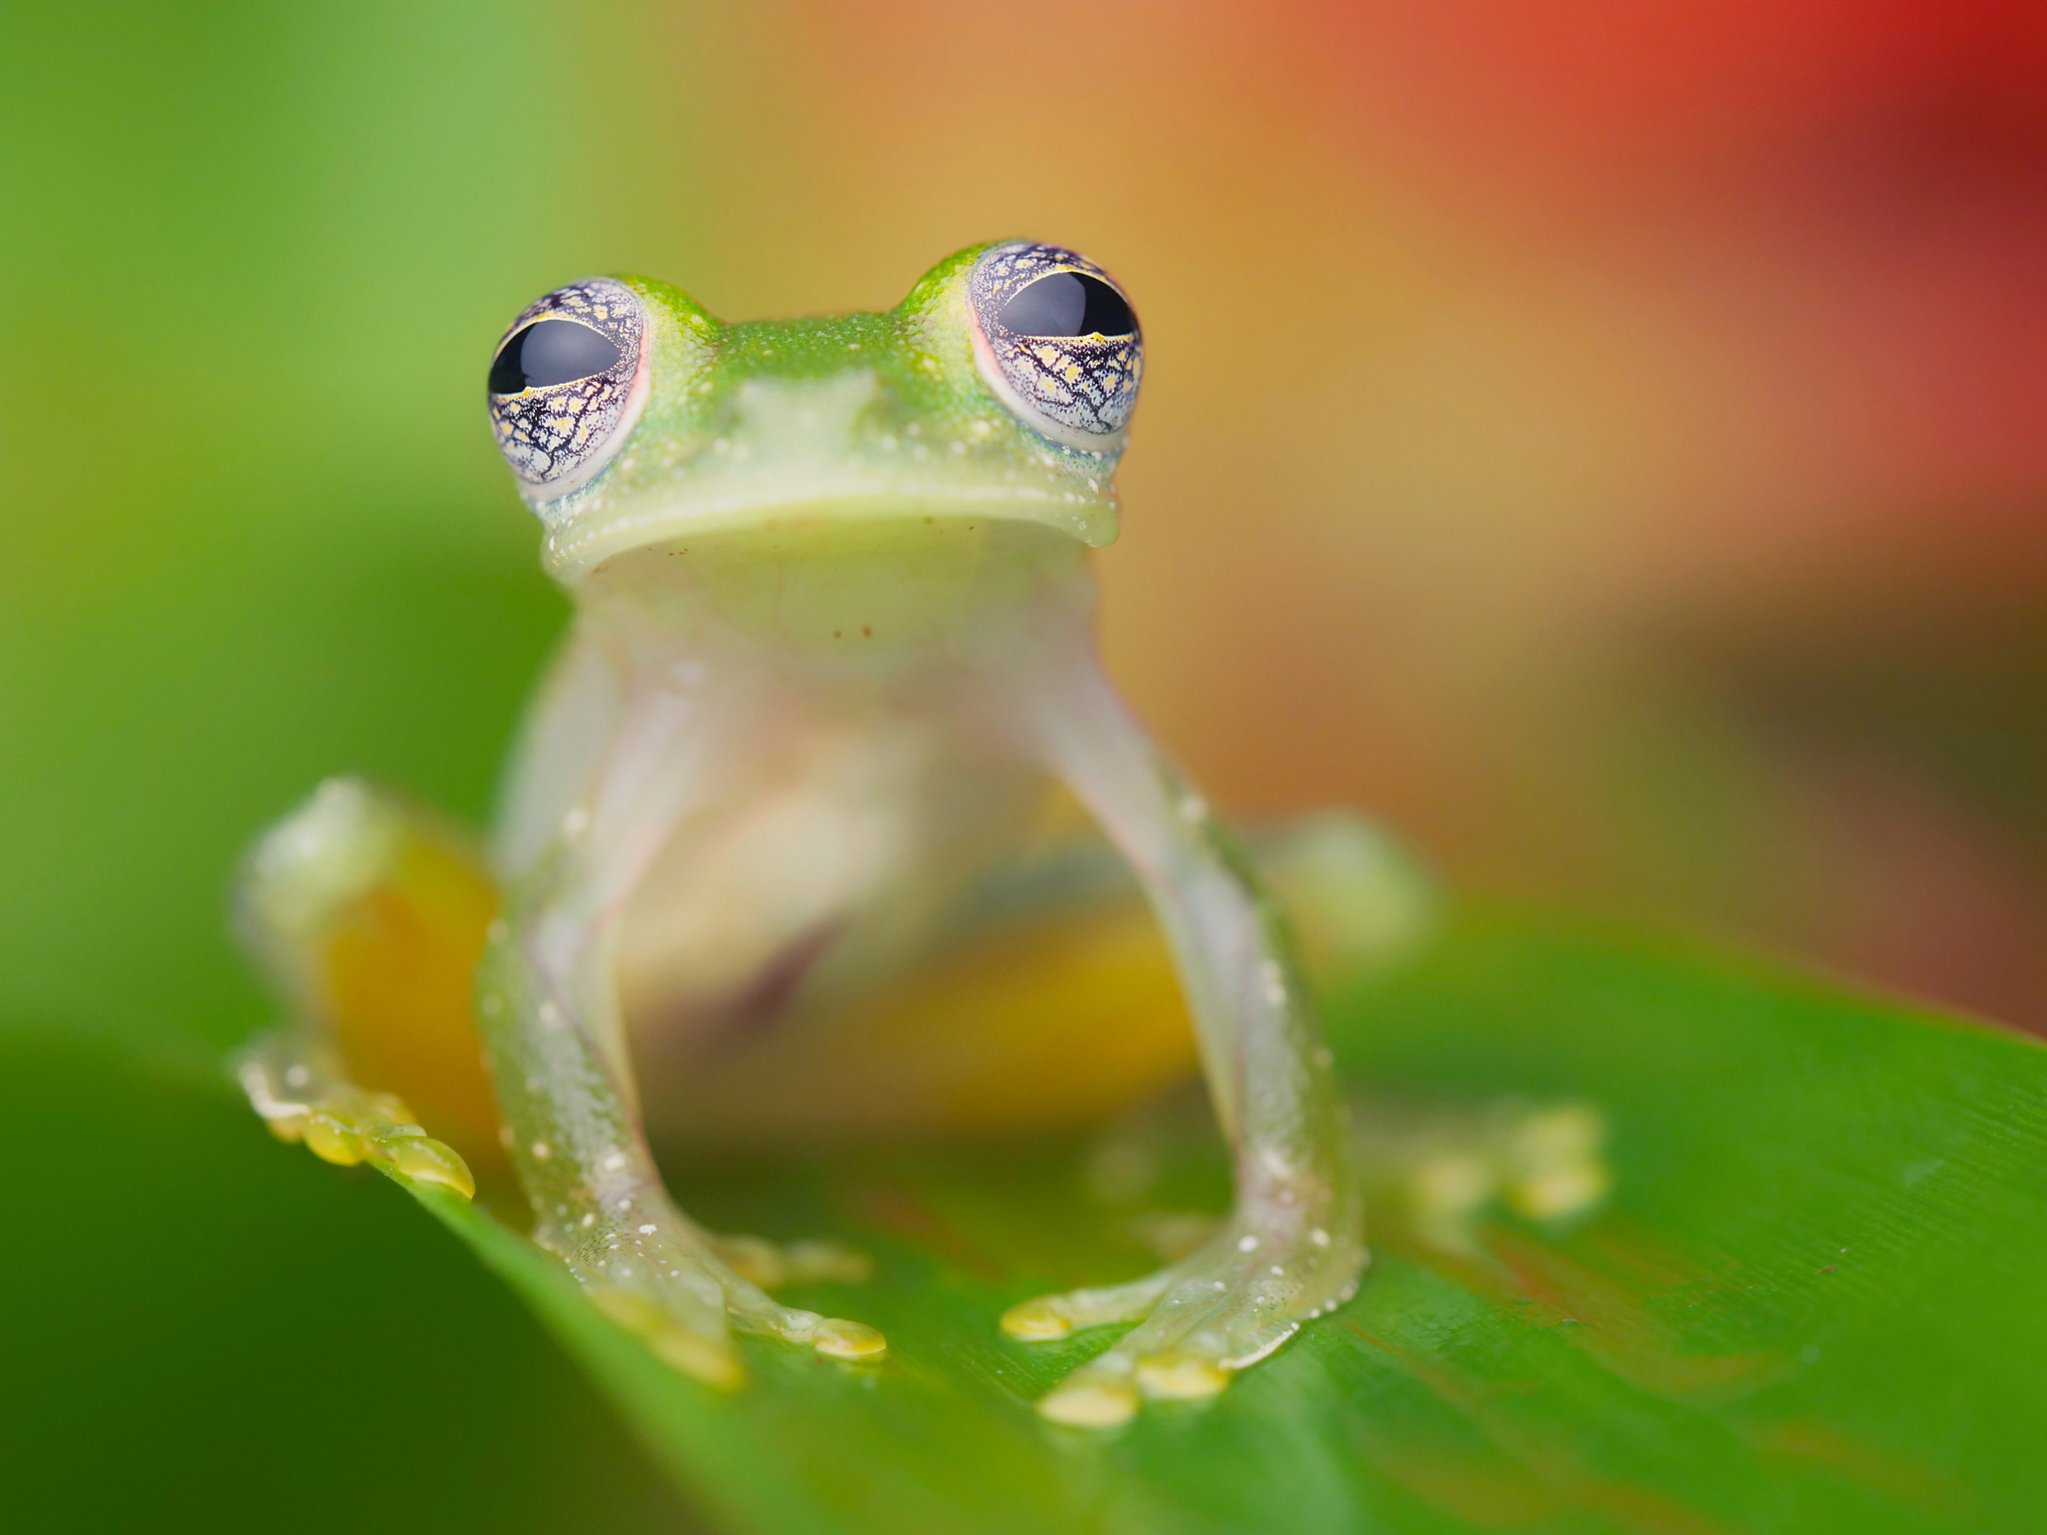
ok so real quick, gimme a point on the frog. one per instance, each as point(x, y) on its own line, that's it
point(825, 779)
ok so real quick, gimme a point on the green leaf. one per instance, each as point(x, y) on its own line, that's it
point(201, 1329)
point(1811, 1302)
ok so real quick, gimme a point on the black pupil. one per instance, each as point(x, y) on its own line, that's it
point(1068, 304)
point(551, 352)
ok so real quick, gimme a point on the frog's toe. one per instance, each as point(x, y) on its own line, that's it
point(419, 1158)
point(302, 1100)
point(1046, 1317)
point(1180, 1374)
point(1090, 1399)
point(1555, 1162)
point(1108, 1390)
point(748, 1267)
point(842, 1339)
point(752, 1311)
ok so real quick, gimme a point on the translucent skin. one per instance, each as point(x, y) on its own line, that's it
point(833, 643)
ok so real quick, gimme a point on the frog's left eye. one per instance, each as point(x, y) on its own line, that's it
point(566, 382)
point(1058, 342)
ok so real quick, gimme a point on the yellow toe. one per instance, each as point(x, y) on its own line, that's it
point(1180, 1376)
point(1090, 1403)
point(849, 1340)
point(424, 1160)
point(1035, 1321)
point(697, 1355)
point(331, 1143)
point(710, 1360)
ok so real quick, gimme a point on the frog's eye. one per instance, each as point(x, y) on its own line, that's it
point(1058, 342)
point(566, 383)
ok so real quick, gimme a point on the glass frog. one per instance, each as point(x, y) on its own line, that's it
point(756, 866)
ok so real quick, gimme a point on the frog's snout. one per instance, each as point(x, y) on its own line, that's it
point(805, 418)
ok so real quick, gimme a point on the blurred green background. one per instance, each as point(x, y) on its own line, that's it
point(1599, 443)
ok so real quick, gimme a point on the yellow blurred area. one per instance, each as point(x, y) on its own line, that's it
point(1061, 1014)
point(396, 974)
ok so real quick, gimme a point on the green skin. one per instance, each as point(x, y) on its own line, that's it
point(846, 558)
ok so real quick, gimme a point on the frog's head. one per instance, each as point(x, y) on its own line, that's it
point(999, 392)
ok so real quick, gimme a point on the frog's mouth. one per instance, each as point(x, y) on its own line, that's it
point(877, 506)
point(828, 454)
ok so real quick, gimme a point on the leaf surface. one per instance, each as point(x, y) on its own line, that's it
point(1811, 1301)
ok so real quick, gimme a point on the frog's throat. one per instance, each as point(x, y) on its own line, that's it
point(577, 545)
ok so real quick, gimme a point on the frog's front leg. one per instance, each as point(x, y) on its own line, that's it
point(1293, 1245)
point(556, 1048)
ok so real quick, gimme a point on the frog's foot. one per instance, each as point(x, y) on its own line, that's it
point(684, 1292)
point(303, 1097)
point(1441, 1174)
point(1223, 1308)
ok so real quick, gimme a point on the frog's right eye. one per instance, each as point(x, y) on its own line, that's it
point(1058, 343)
point(566, 383)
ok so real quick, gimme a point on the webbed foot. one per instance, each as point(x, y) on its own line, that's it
point(1223, 1308)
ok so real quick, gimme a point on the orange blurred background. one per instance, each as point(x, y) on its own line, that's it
point(1608, 441)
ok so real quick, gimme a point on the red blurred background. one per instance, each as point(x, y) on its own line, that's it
point(1609, 441)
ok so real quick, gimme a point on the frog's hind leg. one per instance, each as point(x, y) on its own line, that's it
point(368, 915)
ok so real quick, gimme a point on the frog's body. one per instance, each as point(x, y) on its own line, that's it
point(759, 857)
